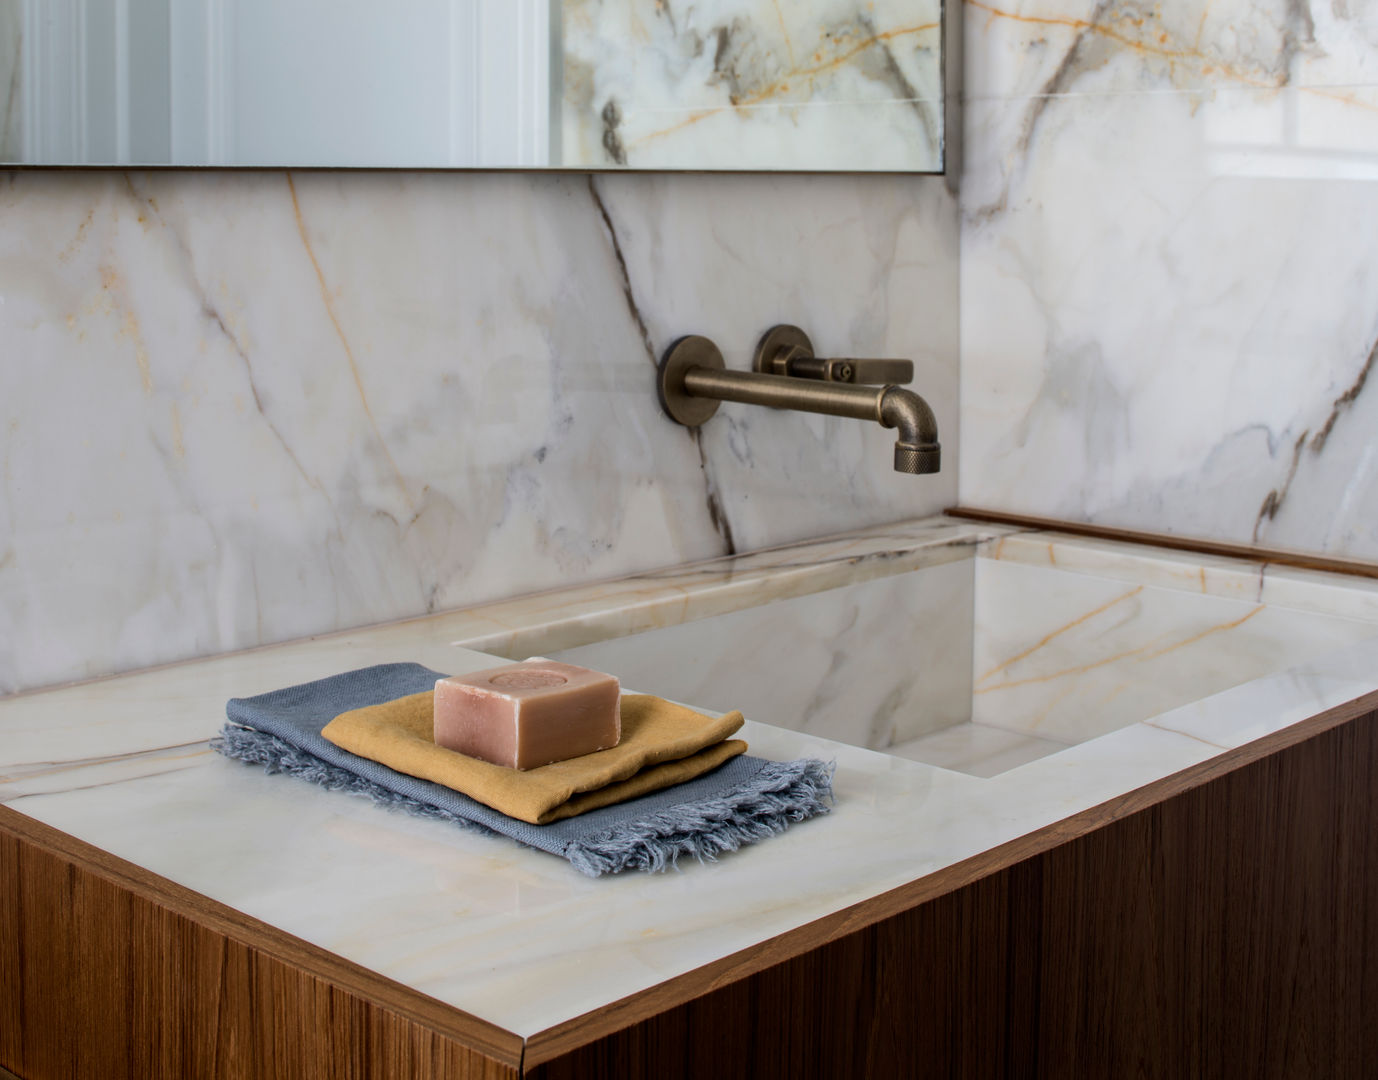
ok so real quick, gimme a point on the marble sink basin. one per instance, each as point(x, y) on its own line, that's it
point(993, 652)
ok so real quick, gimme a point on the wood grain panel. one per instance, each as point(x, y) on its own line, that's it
point(108, 971)
point(1228, 929)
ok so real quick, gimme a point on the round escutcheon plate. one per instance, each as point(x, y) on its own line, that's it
point(688, 352)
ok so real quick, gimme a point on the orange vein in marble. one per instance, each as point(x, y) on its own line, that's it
point(1205, 633)
point(1112, 695)
point(1139, 653)
point(1059, 631)
point(1201, 26)
point(1343, 99)
point(1161, 50)
point(117, 301)
point(783, 84)
point(339, 331)
point(789, 45)
point(1067, 692)
point(1185, 734)
point(1137, 44)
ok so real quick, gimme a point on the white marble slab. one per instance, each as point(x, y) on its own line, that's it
point(1169, 241)
point(515, 936)
point(825, 85)
point(236, 408)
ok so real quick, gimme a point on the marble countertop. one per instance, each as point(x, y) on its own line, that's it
point(517, 937)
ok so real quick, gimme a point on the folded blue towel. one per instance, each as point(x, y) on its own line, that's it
point(745, 800)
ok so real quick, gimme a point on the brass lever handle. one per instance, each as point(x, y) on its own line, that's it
point(873, 372)
point(787, 350)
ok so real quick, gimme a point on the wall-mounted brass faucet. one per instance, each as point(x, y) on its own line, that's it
point(693, 380)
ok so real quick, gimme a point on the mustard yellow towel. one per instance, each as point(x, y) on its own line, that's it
point(662, 744)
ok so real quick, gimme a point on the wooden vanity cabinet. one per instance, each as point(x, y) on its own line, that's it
point(1218, 923)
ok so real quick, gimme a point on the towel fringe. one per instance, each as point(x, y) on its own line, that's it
point(780, 794)
point(279, 756)
point(783, 792)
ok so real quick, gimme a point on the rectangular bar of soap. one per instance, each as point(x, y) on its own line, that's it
point(529, 714)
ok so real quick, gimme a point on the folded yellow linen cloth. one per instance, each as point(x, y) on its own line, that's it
point(662, 744)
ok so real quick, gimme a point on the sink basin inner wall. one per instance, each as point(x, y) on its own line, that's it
point(873, 664)
point(980, 664)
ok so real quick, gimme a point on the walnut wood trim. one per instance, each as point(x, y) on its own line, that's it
point(1201, 546)
point(563, 1038)
point(86, 902)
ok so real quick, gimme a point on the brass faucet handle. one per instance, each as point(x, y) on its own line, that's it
point(787, 350)
point(872, 372)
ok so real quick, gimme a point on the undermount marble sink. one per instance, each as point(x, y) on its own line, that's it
point(1009, 649)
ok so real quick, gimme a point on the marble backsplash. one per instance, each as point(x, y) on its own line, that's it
point(1170, 267)
point(237, 408)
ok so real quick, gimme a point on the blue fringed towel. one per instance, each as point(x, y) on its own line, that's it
point(745, 800)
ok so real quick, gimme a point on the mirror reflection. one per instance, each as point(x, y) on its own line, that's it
point(810, 85)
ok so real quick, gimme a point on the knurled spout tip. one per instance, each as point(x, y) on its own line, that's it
point(918, 460)
point(916, 445)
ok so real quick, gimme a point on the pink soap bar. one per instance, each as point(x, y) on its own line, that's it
point(525, 715)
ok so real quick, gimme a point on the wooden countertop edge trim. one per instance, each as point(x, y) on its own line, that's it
point(562, 1038)
point(1248, 552)
point(445, 1020)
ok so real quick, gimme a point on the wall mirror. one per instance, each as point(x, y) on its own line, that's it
point(802, 85)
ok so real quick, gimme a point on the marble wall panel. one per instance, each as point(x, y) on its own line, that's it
point(237, 408)
point(1170, 267)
